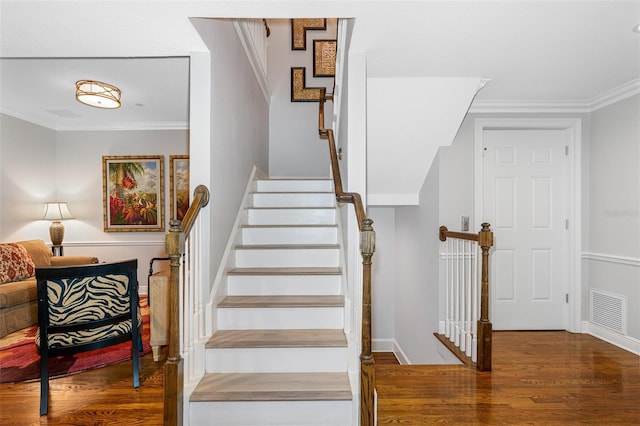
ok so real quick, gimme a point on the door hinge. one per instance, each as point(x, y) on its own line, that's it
point(566, 224)
point(566, 297)
point(566, 150)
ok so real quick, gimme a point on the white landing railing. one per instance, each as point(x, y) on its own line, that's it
point(467, 330)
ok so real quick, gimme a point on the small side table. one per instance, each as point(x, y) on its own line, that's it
point(57, 250)
point(159, 307)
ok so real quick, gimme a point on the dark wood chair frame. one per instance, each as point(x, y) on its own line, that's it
point(128, 268)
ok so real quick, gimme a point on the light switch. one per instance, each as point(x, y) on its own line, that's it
point(465, 223)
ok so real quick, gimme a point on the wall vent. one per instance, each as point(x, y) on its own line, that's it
point(609, 310)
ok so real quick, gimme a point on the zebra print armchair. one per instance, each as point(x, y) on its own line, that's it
point(82, 308)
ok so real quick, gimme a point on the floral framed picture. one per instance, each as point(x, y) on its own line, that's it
point(133, 188)
point(178, 186)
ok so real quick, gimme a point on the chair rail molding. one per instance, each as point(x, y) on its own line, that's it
point(621, 260)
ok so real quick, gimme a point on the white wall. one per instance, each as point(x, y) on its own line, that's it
point(27, 178)
point(416, 278)
point(239, 128)
point(383, 279)
point(41, 165)
point(612, 255)
point(610, 198)
point(294, 146)
point(457, 168)
point(79, 182)
point(408, 118)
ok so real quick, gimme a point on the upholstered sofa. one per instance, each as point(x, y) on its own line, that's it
point(18, 289)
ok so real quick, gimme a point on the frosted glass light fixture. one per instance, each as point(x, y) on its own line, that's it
point(98, 94)
point(56, 211)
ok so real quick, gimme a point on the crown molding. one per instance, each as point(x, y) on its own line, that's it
point(610, 97)
point(618, 94)
point(530, 107)
point(150, 125)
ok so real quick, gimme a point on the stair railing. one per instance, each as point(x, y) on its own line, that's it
point(367, 248)
point(181, 295)
point(467, 329)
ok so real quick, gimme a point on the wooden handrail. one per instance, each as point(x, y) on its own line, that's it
point(367, 248)
point(341, 196)
point(200, 200)
point(484, 238)
point(175, 248)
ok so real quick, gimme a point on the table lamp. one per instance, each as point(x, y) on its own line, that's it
point(56, 211)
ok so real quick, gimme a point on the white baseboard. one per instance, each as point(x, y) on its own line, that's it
point(390, 345)
point(624, 342)
point(382, 345)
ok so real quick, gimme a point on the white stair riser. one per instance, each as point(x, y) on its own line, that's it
point(291, 216)
point(280, 318)
point(283, 285)
point(276, 360)
point(293, 235)
point(287, 258)
point(294, 186)
point(298, 413)
point(265, 199)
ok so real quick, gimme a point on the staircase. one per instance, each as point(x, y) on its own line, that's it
point(280, 354)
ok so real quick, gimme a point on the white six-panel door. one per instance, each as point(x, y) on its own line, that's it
point(525, 198)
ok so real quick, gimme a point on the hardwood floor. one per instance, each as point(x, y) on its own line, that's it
point(100, 397)
point(545, 378)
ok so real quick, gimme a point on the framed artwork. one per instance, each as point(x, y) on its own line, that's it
point(299, 28)
point(133, 193)
point(299, 91)
point(178, 186)
point(324, 58)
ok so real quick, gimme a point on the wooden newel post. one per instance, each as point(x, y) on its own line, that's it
point(173, 368)
point(485, 241)
point(367, 367)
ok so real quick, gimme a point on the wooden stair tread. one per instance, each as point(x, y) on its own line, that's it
point(293, 192)
point(286, 246)
point(291, 226)
point(286, 271)
point(281, 301)
point(313, 338)
point(272, 387)
point(290, 208)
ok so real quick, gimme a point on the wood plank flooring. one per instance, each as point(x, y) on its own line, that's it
point(100, 397)
point(539, 378)
point(547, 378)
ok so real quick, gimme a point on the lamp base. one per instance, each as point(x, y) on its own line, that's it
point(56, 232)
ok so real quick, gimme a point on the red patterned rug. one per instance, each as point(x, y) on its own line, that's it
point(19, 359)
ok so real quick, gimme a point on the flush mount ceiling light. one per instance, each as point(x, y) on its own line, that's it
point(97, 94)
point(636, 29)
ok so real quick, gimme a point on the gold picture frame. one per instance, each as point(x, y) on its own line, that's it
point(178, 186)
point(301, 93)
point(133, 193)
point(299, 28)
point(324, 58)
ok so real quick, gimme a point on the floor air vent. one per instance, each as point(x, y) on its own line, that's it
point(609, 310)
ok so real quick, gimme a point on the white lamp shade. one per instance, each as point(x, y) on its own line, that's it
point(56, 211)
